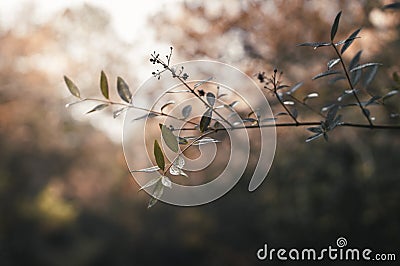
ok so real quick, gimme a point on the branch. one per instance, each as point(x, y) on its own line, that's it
point(166, 66)
point(301, 124)
point(351, 84)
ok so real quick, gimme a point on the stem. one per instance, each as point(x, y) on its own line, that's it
point(275, 83)
point(351, 85)
point(187, 147)
point(303, 124)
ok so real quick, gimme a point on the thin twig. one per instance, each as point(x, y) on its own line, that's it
point(351, 85)
point(301, 124)
point(276, 83)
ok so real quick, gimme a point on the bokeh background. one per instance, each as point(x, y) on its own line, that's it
point(66, 195)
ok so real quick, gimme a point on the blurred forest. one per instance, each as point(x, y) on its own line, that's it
point(66, 195)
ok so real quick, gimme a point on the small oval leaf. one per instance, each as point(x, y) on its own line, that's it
point(333, 62)
point(104, 85)
point(390, 94)
point(314, 137)
point(350, 40)
point(233, 104)
point(119, 112)
point(182, 140)
point(157, 193)
point(315, 129)
point(186, 111)
point(169, 138)
point(198, 84)
point(356, 58)
point(370, 76)
point(364, 66)
point(332, 113)
point(310, 96)
point(150, 183)
point(335, 25)
point(326, 73)
point(159, 156)
point(314, 44)
point(295, 88)
point(206, 140)
point(166, 182)
point(205, 120)
point(147, 170)
point(123, 90)
point(148, 115)
point(73, 89)
point(98, 108)
point(288, 102)
point(210, 98)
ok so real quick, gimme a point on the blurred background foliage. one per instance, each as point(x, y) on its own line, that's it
point(67, 198)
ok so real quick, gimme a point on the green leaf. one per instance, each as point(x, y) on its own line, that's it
point(205, 141)
point(210, 98)
point(364, 66)
point(183, 141)
point(314, 44)
point(313, 137)
point(158, 154)
point(233, 104)
point(332, 113)
point(148, 115)
point(317, 130)
point(335, 26)
point(73, 89)
point(104, 85)
point(355, 77)
point(354, 61)
point(372, 100)
point(150, 183)
point(390, 94)
point(98, 108)
point(176, 168)
point(169, 138)
point(310, 96)
point(186, 111)
point(157, 193)
point(123, 90)
point(198, 84)
point(295, 88)
point(350, 40)
point(395, 5)
point(119, 112)
point(333, 62)
point(205, 120)
point(326, 73)
point(147, 170)
point(166, 181)
point(370, 76)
